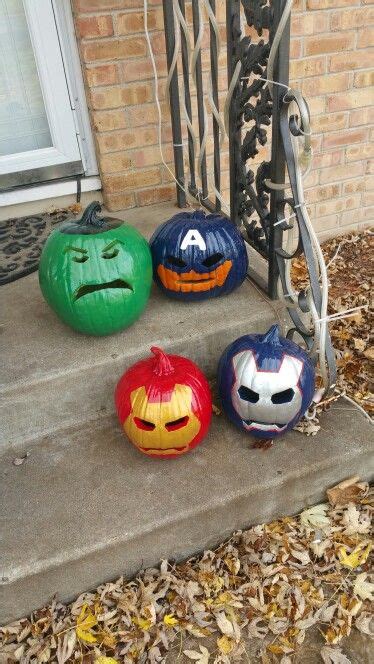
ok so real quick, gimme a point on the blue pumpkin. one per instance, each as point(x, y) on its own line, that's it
point(197, 256)
point(266, 383)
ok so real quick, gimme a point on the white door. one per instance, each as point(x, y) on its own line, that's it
point(38, 134)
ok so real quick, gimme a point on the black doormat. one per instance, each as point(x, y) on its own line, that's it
point(22, 240)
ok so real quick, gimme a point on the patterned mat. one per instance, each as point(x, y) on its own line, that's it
point(21, 243)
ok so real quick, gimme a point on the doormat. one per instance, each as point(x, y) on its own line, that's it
point(22, 240)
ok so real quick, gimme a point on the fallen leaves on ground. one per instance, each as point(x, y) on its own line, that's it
point(350, 261)
point(270, 583)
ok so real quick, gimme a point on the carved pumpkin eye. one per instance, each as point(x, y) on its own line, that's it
point(110, 254)
point(144, 424)
point(178, 262)
point(177, 424)
point(248, 395)
point(283, 397)
point(80, 259)
point(212, 260)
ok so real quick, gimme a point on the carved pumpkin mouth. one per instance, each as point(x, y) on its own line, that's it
point(263, 426)
point(92, 288)
point(186, 282)
point(157, 451)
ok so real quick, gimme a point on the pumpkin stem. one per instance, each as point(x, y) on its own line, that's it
point(162, 365)
point(272, 336)
point(89, 216)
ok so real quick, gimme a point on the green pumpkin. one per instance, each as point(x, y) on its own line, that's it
point(96, 273)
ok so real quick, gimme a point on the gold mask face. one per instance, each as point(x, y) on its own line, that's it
point(162, 428)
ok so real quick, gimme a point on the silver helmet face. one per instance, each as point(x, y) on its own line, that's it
point(266, 400)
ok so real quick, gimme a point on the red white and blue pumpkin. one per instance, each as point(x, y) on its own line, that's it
point(266, 383)
point(197, 256)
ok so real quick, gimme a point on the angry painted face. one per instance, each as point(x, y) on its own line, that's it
point(266, 383)
point(164, 405)
point(96, 273)
point(197, 256)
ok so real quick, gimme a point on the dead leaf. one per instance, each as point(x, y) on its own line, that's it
point(18, 461)
point(201, 657)
point(315, 517)
point(225, 644)
point(362, 588)
point(86, 620)
point(357, 557)
point(333, 656)
point(66, 646)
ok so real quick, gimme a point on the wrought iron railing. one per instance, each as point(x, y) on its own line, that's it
point(252, 109)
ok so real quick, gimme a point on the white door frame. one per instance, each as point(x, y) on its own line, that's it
point(52, 35)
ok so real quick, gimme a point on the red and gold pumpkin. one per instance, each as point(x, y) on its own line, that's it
point(164, 405)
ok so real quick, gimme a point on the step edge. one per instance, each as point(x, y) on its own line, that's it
point(183, 516)
point(16, 386)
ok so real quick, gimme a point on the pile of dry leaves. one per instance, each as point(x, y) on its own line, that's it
point(350, 261)
point(270, 583)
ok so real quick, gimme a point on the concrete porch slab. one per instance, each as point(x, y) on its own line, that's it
point(85, 506)
point(53, 377)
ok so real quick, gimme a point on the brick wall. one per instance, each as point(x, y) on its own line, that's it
point(331, 61)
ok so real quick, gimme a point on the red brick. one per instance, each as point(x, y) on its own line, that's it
point(133, 22)
point(324, 84)
point(321, 224)
point(151, 156)
point(352, 218)
point(330, 43)
point(122, 140)
point(114, 49)
point(317, 194)
point(309, 24)
point(321, 161)
point(365, 37)
point(350, 60)
point(345, 137)
point(109, 120)
point(307, 67)
point(118, 96)
point(361, 116)
point(141, 69)
point(97, 5)
point(119, 183)
point(295, 48)
point(363, 79)
point(151, 196)
point(116, 162)
point(329, 122)
point(342, 172)
point(359, 152)
point(337, 205)
point(102, 75)
point(350, 99)
point(330, 4)
point(115, 202)
point(354, 186)
point(95, 26)
point(346, 19)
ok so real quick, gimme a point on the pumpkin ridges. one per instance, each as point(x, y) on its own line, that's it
point(60, 276)
point(219, 235)
point(164, 389)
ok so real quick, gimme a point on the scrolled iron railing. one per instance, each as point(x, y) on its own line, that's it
point(259, 105)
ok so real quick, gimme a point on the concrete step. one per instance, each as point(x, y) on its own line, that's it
point(85, 506)
point(54, 377)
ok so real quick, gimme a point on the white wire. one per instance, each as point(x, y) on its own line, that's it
point(157, 99)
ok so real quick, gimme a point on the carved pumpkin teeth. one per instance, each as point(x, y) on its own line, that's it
point(92, 288)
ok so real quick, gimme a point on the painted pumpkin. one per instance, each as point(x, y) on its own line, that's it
point(266, 383)
point(164, 405)
point(197, 256)
point(96, 273)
